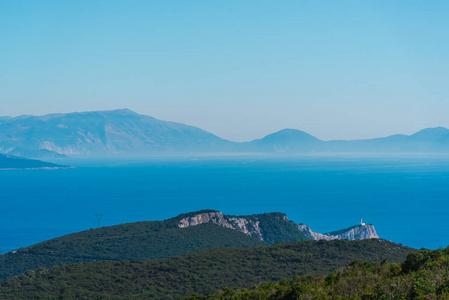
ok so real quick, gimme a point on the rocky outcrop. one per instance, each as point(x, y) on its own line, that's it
point(247, 227)
point(314, 235)
point(214, 217)
point(275, 227)
point(358, 232)
point(241, 224)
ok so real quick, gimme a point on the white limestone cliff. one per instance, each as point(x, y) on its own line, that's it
point(243, 225)
point(358, 232)
point(253, 228)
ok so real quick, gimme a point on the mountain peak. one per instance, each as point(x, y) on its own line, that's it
point(290, 134)
point(122, 111)
point(431, 133)
point(288, 141)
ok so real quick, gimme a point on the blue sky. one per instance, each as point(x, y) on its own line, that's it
point(240, 69)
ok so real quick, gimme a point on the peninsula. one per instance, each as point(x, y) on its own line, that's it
point(17, 163)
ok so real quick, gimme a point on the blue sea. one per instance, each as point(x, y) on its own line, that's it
point(405, 197)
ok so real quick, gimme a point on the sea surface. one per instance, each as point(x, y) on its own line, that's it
point(406, 198)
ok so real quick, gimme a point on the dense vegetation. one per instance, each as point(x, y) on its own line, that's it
point(424, 275)
point(133, 241)
point(144, 240)
point(275, 227)
point(203, 272)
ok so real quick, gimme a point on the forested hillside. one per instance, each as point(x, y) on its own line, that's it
point(424, 275)
point(203, 272)
point(133, 241)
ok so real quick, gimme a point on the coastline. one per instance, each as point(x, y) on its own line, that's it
point(36, 169)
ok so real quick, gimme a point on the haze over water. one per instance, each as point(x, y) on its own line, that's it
point(406, 198)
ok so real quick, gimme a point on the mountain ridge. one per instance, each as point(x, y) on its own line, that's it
point(256, 226)
point(100, 132)
point(185, 233)
point(125, 132)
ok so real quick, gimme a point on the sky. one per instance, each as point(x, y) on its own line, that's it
point(240, 69)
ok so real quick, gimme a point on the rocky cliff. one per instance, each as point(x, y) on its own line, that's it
point(358, 232)
point(274, 227)
point(248, 227)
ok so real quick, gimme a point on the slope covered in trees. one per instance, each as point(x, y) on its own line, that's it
point(147, 240)
point(133, 241)
point(424, 275)
point(202, 272)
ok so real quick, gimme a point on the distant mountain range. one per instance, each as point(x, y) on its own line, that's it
point(114, 132)
point(124, 132)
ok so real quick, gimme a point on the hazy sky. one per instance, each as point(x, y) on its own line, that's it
point(240, 69)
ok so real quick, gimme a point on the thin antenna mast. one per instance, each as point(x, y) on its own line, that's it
point(98, 219)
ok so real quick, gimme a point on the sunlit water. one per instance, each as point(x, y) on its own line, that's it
point(406, 198)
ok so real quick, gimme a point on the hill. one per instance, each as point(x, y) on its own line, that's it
point(269, 227)
point(275, 227)
point(132, 241)
point(186, 233)
point(286, 141)
point(429, 140)
point(17, 163)
point(422, 276)
point(201, 272)
point(433, 140)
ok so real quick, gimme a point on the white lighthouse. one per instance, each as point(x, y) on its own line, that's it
point(361, 222)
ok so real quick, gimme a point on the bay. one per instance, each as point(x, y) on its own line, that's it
point(405, 197)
